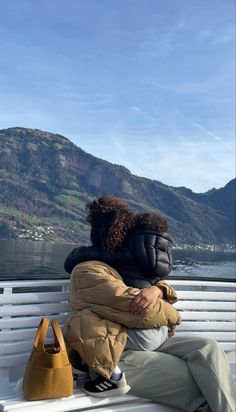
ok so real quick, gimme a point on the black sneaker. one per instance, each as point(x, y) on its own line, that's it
point(105, 388)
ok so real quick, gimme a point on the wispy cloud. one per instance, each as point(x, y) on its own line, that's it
point(114, 84)
point(205, 86)
point(218, 36)
point(205, 130)
point(136, 109)
point(143, 114)
point(88, 99)
point(184, 162)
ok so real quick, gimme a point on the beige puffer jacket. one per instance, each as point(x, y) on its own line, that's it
point(100, 315)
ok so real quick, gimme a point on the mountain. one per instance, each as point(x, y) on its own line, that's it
point(222, 199)
point(46, 180)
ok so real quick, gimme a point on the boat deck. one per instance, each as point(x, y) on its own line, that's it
point(207, 307)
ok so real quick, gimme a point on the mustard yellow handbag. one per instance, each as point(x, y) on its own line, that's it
point(48, 372)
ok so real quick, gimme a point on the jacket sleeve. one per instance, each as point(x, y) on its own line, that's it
point(169, 293)
point(153, 252)
point(70, 260)
point(101, 289)
point(162, 314)
point(79, 255)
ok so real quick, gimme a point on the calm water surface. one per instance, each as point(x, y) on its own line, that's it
point(41, 260)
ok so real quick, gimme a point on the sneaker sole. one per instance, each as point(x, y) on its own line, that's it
point(110, 393)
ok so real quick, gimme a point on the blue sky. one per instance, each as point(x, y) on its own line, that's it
point(148, 84)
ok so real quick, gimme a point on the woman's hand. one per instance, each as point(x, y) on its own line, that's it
point(171, 330)
point(145, 299)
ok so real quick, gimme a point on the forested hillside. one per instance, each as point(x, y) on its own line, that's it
point(46, 180)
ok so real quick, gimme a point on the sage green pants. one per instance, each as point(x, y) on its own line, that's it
point(192, 374)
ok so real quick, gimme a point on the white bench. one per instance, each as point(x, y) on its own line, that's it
point(206, 307)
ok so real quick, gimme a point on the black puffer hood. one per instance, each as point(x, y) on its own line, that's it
point(144, 258)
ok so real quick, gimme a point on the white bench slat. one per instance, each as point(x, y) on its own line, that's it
point(14, 360)
point(218, 332)
point(203, 315)
point(21, 334)
point(34, 283)
point(65, 282)
point(204, 305)
point(137, 406)
point(199, 295)
point(78, 401)
point(228, 346)
point(202, 283)
point(209, 326)
point(21, 358)
point(42, 309)
point(126, 407)
point(30, 321)
point(16, 347)
point(26, 346)
point(16, 298)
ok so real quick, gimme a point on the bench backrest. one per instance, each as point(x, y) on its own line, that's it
point(206, 308)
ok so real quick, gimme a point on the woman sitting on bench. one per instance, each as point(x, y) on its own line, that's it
point(192, 374)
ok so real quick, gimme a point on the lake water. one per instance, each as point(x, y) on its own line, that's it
point(42, 260)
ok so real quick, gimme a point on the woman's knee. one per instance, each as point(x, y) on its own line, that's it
point(202, 345)
point(210, 346)
point(212, 343)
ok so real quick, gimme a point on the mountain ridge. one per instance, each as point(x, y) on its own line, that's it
point(47, 179)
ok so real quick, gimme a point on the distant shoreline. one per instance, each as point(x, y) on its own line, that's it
point(207, 248)
point(177, 246)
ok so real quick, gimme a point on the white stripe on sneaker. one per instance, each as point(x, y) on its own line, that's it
point(107, 383)
point(99, 387)
point(103, 385)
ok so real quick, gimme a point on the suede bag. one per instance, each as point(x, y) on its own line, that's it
point(48, 372)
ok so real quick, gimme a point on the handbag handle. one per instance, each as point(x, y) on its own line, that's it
point(40, 336)
point(58, 336)
point(41, 333)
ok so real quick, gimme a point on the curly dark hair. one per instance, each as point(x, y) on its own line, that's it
point(111, 220)
point(153, 221)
